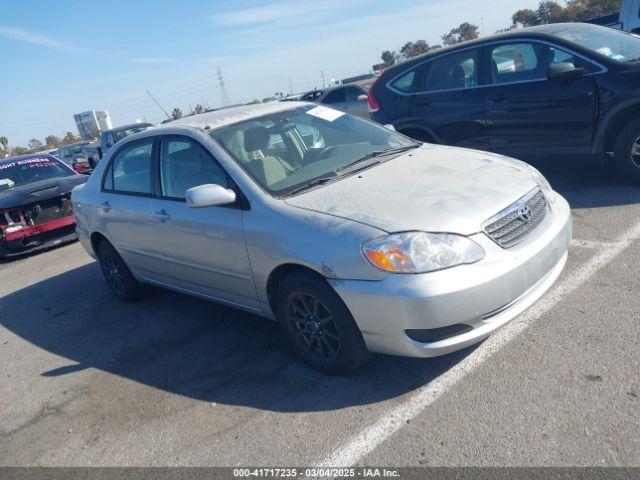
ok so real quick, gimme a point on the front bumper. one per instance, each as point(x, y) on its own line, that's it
point(39, 237)
point(485, 295)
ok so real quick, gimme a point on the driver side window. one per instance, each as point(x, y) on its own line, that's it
point(528, 61)
point(184, 165)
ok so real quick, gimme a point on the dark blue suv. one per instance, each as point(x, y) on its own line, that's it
point(554, 90)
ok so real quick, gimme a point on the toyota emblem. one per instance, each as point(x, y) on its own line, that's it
point(525, 214)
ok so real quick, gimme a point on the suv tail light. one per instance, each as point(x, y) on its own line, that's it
point(374, 106)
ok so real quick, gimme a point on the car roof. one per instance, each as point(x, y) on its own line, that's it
point(130, 125)
point(360, 83)
point(227, 116)
point(531, 32)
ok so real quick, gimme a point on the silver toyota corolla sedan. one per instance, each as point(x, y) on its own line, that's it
point(352, 236)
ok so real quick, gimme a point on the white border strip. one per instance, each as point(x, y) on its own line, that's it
point(365, 441)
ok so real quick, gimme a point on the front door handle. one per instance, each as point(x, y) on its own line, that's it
point(162, 215)
point(499, 97)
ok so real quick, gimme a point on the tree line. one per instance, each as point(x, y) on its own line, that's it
point(34, 145)
point(548, 11)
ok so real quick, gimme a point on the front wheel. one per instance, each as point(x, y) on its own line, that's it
point(628, 151)
point(318, 325)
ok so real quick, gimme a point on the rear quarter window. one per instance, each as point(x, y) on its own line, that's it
point(406, 82)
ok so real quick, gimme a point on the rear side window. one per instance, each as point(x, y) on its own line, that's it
point(184, 165)
point(352, 93)
point(335, 96)
point(130, 170)
point(405, 82)
point(455, 71)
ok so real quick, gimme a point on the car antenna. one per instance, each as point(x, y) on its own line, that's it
point(158, 103)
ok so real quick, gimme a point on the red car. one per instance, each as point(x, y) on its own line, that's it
point(35, 203)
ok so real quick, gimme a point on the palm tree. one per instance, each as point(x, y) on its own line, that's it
point(176, 113)
point(4, 141)
point(199, 109)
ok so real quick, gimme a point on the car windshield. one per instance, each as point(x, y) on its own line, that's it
point(29, 170)
point(617, 45)
point(287, 150)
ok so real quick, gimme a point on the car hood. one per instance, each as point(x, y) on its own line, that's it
point(39, 191)
point(433, 188)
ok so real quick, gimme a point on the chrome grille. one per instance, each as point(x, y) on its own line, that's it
point(515, 222)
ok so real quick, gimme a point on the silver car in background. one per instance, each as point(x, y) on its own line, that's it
point(354, 237)
point(350, 97)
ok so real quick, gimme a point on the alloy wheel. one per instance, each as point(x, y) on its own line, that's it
point(313, 325)
point(112, 271)
point(635, 152)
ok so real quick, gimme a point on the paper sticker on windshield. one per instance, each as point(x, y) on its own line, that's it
point(328, 114)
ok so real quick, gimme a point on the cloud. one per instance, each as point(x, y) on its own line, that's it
point(151, 60)
point(22, 35)
point(267, 13)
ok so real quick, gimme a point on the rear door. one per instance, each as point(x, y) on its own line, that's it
point(204, 248)
point(125, 208)
point(527, 113)
point(450, 98)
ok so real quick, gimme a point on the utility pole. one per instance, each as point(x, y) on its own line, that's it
point(322, 73)
point(224, 95)
point(290, 87)
point(158, 103)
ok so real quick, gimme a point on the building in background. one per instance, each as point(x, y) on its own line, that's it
point(91, 123)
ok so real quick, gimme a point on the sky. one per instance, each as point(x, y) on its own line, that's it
point(68, 56)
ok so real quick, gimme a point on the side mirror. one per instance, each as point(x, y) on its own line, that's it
point(565, 70)
point(209, 195)
point(362, 98)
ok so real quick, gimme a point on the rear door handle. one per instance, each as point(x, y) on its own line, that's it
point(104, 207)
point(422, 101)
point(162, 215)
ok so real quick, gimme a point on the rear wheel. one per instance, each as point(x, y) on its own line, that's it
point(318, 325)
point(117, 274)
point(627, 151)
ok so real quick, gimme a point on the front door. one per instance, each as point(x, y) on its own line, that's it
point(204, 248)
point(529, 114)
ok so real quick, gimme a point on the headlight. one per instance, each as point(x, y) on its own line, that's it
point(543, 183)
point(420, 252)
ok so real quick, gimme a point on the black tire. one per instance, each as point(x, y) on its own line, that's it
point(117, 274)
point(323, 333)
point(627, 151)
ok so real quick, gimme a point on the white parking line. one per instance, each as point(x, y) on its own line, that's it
point(591, 244)
point(394, 418)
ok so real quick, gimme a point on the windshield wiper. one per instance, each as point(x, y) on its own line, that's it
point(376, 154)
point(313, 183)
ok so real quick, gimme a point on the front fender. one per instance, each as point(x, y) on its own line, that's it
point(278, 234)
